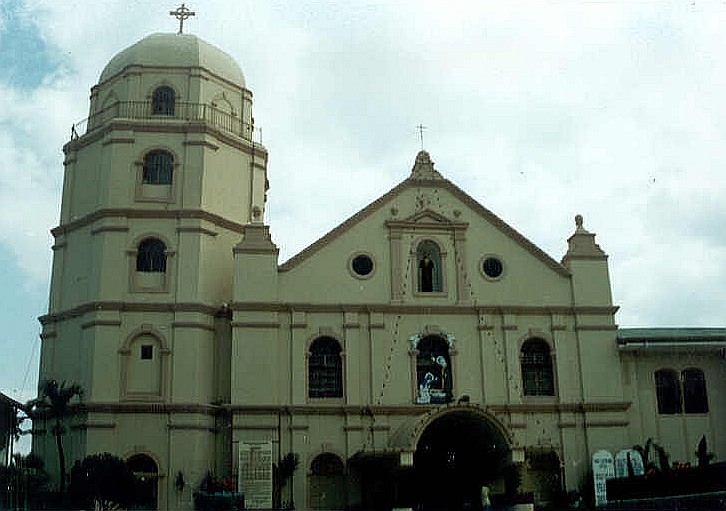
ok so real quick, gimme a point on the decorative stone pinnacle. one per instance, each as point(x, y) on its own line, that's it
point(581, 245)
point(424, 167)
point(256, 214)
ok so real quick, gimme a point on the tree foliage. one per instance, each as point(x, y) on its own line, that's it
point(53, 401)
point(102, 481)
point(282, 472)
point(655, 457)
point(704, 457)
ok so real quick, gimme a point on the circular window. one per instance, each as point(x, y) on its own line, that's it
point(492, 267)
point(362, 265)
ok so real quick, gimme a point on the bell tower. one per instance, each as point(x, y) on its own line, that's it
point(159, 183)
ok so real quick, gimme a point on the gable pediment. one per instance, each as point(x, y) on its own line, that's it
point(425, 219)
point(428, 219)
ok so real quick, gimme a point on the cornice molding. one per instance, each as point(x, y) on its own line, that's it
point(130, 213)
point(92, 307)
point(212, 310)
point(105, 134)
point(405, 308)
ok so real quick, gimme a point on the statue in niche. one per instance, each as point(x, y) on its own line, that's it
point(426, 266)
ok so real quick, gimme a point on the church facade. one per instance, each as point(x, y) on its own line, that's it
point(407, 357)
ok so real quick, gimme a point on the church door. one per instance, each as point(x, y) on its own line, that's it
point(147, 477)
point(457, 454)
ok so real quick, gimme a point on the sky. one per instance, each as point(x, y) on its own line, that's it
point(540, 110)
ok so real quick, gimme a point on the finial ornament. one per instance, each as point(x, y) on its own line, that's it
point(182, 13)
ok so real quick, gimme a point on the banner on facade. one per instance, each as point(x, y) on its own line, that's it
point(603, 468)
point(255, 474)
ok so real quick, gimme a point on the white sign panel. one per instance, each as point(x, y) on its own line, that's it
point(603, 468)
point(255, 474)
point(628, 457)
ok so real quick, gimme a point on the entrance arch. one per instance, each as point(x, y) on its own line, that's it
point(456, 453)
point(147, 478)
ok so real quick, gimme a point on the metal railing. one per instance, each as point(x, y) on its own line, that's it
point(183, 112)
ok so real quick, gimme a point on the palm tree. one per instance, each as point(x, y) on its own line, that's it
point(53, 402)
point(660, 464)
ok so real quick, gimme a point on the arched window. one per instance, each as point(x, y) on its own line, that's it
point(158, 168)
point(694, 391)
point(151, 256)
point(668, 391)
point(162, 101)
point(325, 369)
point(537, 374)
point(428, 261)
point(433, 371)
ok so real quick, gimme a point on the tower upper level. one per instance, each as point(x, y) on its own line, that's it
point(172, 78)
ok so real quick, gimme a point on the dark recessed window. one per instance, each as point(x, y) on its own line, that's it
point(163, 100)
point(668, 391)
point(694, 391)
point(428, 257)
point(151, 256)
point(492, 267)
point(433, 371)
point(158, 168)
point(147, 352)
point(362, 265)
point(325, 369)
point(537, 372)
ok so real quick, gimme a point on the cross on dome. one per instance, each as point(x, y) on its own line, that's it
point(181, 14)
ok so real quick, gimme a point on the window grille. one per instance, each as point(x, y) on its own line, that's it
point(151, 256)
point(158, 167)
point(537, 372)
point(163, 101)
point(325, 369)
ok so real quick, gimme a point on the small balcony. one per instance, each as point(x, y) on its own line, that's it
point(182, 112)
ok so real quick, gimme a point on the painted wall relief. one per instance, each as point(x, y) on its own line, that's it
point(433, 369)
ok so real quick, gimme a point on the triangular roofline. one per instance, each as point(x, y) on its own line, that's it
point(505, 228)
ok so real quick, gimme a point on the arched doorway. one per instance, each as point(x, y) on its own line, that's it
point(147, 477)
point(327, 482)
point(455, 455)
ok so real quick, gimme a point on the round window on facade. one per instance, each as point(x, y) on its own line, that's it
point(492, 267)
point(362, 265)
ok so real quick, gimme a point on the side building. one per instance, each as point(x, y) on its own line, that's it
point(407, 356)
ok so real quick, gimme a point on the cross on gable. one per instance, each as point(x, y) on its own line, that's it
point(421, 129)
point(181, 14)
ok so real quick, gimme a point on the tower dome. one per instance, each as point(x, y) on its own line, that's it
point(175, 51)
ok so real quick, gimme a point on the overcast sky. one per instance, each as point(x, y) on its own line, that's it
point(538, 110)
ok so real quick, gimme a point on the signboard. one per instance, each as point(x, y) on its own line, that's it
point(255, 474)
point(628, 462)
point(603, 468)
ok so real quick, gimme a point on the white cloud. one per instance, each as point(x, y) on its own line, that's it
point(609, 109)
